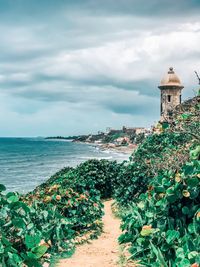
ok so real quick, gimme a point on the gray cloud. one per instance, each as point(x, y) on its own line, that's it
point(108, 7)
point(96, 60)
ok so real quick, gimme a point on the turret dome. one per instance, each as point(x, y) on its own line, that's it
point(170, 80)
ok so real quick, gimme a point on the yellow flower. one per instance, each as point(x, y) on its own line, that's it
point(186, 193)
point(178, 177)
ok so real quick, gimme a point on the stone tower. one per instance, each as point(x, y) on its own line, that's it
point(170, 89)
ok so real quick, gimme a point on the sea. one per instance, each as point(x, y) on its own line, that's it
point(27, 162)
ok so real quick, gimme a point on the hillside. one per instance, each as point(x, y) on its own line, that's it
point(162, 224)
point(157, 196)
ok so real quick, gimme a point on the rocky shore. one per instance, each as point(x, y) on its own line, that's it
point(128, 149)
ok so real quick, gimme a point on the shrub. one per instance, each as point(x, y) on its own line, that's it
point(154, 155)
point(48, 219)
point(95, 176)
point(37, 224)
point(164, 226)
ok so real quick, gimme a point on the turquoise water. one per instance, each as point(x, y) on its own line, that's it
point(27, 162)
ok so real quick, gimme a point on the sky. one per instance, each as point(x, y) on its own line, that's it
point(72, 67)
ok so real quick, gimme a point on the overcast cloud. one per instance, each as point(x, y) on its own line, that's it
point(79, 66)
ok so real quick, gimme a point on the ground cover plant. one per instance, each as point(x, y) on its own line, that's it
point(153, 155)
point(65, 210)
point(96, 176)
point(162, 224)
point(50, 222)
point(163, 227)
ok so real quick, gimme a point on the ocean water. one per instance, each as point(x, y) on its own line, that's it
point(27, 162)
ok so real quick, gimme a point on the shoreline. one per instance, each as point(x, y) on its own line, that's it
point(117, 152)
point(125, 150)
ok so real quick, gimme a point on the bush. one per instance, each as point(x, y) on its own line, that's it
point(146, 162)
point(164, 226)
point(70, 204)
point(162, 187)
point(49, 219)
point(56, 214)
point(95, 176)
point(37, 224)
point(27, 232)
point(139, 138)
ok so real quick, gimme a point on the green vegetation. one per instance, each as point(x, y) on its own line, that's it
point(162, 222)
point(157, 195)
point(60, 213)
point(139, 138)
point(151, 157)
point(111, 137)
point(163, 225)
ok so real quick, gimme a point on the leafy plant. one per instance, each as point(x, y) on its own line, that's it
point(164, 226)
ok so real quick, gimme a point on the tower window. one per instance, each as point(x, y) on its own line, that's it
point(180, 98)
point(169, 98)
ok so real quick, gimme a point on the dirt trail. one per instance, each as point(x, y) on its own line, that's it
point(102, 252)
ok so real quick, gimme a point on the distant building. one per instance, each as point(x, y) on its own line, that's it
point(170, 88)
point(140, 130)
point(133, 130)
point(112, 131)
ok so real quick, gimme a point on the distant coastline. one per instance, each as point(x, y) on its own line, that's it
point(102, 146)
point(123, 140)
point(59, 138)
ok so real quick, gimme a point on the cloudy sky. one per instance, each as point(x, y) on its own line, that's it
point(78, 66)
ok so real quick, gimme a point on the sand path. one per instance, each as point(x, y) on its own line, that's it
point(102, 252)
